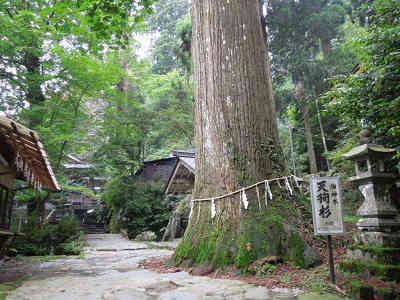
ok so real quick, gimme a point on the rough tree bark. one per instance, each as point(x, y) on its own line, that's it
point(235, 129)
point(236, 139)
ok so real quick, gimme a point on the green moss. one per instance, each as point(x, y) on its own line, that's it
point(386, 293)
point(296, 246)
point(39, 259)
point(245, 256)
point(355, 285)
point(388, 272)
point(383, 255)
point(252, 235)
point(182, 252)
point(351, 219)
point(181, 206)
point(7, 287)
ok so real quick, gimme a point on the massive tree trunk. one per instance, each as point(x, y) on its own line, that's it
point(235, 129)
point(235, 133)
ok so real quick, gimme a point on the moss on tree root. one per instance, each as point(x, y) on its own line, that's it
point(255, 235)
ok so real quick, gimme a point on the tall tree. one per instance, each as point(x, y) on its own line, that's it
point(165, 22)
point(301, 35)
point(34, 32)
point(235, 129)
point(372, 93)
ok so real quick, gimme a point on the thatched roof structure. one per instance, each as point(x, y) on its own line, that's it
point(22, 151)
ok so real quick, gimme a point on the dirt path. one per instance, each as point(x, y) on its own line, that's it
point(110, 270)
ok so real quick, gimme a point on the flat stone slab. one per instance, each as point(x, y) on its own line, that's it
point(257, 293)
point(116, 275)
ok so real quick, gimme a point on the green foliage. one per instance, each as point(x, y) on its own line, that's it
point(245, 256)
point(372, 93)
point(69, 248)
point(171, 100)
point(171, 47)
point(296, 246)
point(136, 208)
point(44, 239)
point(304, 38)
point(33, 31)
point(7, 287)
point(81, 190)
point(383, 255)
point(386, 272)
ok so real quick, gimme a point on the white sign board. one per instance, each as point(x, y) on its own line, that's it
point(326, 201)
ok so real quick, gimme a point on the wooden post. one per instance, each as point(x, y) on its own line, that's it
point(331, 262)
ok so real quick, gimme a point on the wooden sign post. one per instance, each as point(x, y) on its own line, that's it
point(326, 201)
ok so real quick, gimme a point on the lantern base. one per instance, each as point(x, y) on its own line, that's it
point(374, 238)
point(379, 224)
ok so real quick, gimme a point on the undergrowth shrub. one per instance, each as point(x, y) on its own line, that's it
point(137, 208)
point(46, 239)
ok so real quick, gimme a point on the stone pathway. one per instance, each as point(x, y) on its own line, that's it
point(110, 271)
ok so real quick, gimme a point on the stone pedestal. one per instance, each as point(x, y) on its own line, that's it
point(377, 243)
point(379, 224)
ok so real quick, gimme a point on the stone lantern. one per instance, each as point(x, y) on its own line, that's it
point(379, 224)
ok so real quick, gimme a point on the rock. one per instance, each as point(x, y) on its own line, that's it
point(178, 221)
point(180, 295)
point(257, 293)
point(311, 257)
point(298, 249)
point(108, 296)
point(146, 236)
point(202, 270)
point(160, 287)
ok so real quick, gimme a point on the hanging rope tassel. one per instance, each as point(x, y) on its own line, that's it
point(258, 197)
point(296, 179)
point(288, 186)
point(244, 199)
point(279, 184)
point(268, 190)
point(213, 210)
point(240, 204)
point(191, 209)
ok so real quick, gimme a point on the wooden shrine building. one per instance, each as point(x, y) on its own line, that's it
point(22, 156)
point(175, 173)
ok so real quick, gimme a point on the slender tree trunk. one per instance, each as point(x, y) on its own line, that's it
point(34, 94)
point(321, 127)
point(292, 153)
point(310, 145)
point(326, 47)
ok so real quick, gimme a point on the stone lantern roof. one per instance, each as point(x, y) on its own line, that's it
point(372, 162)
point(368, 150)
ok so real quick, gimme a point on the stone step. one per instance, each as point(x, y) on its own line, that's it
point(93, 228)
